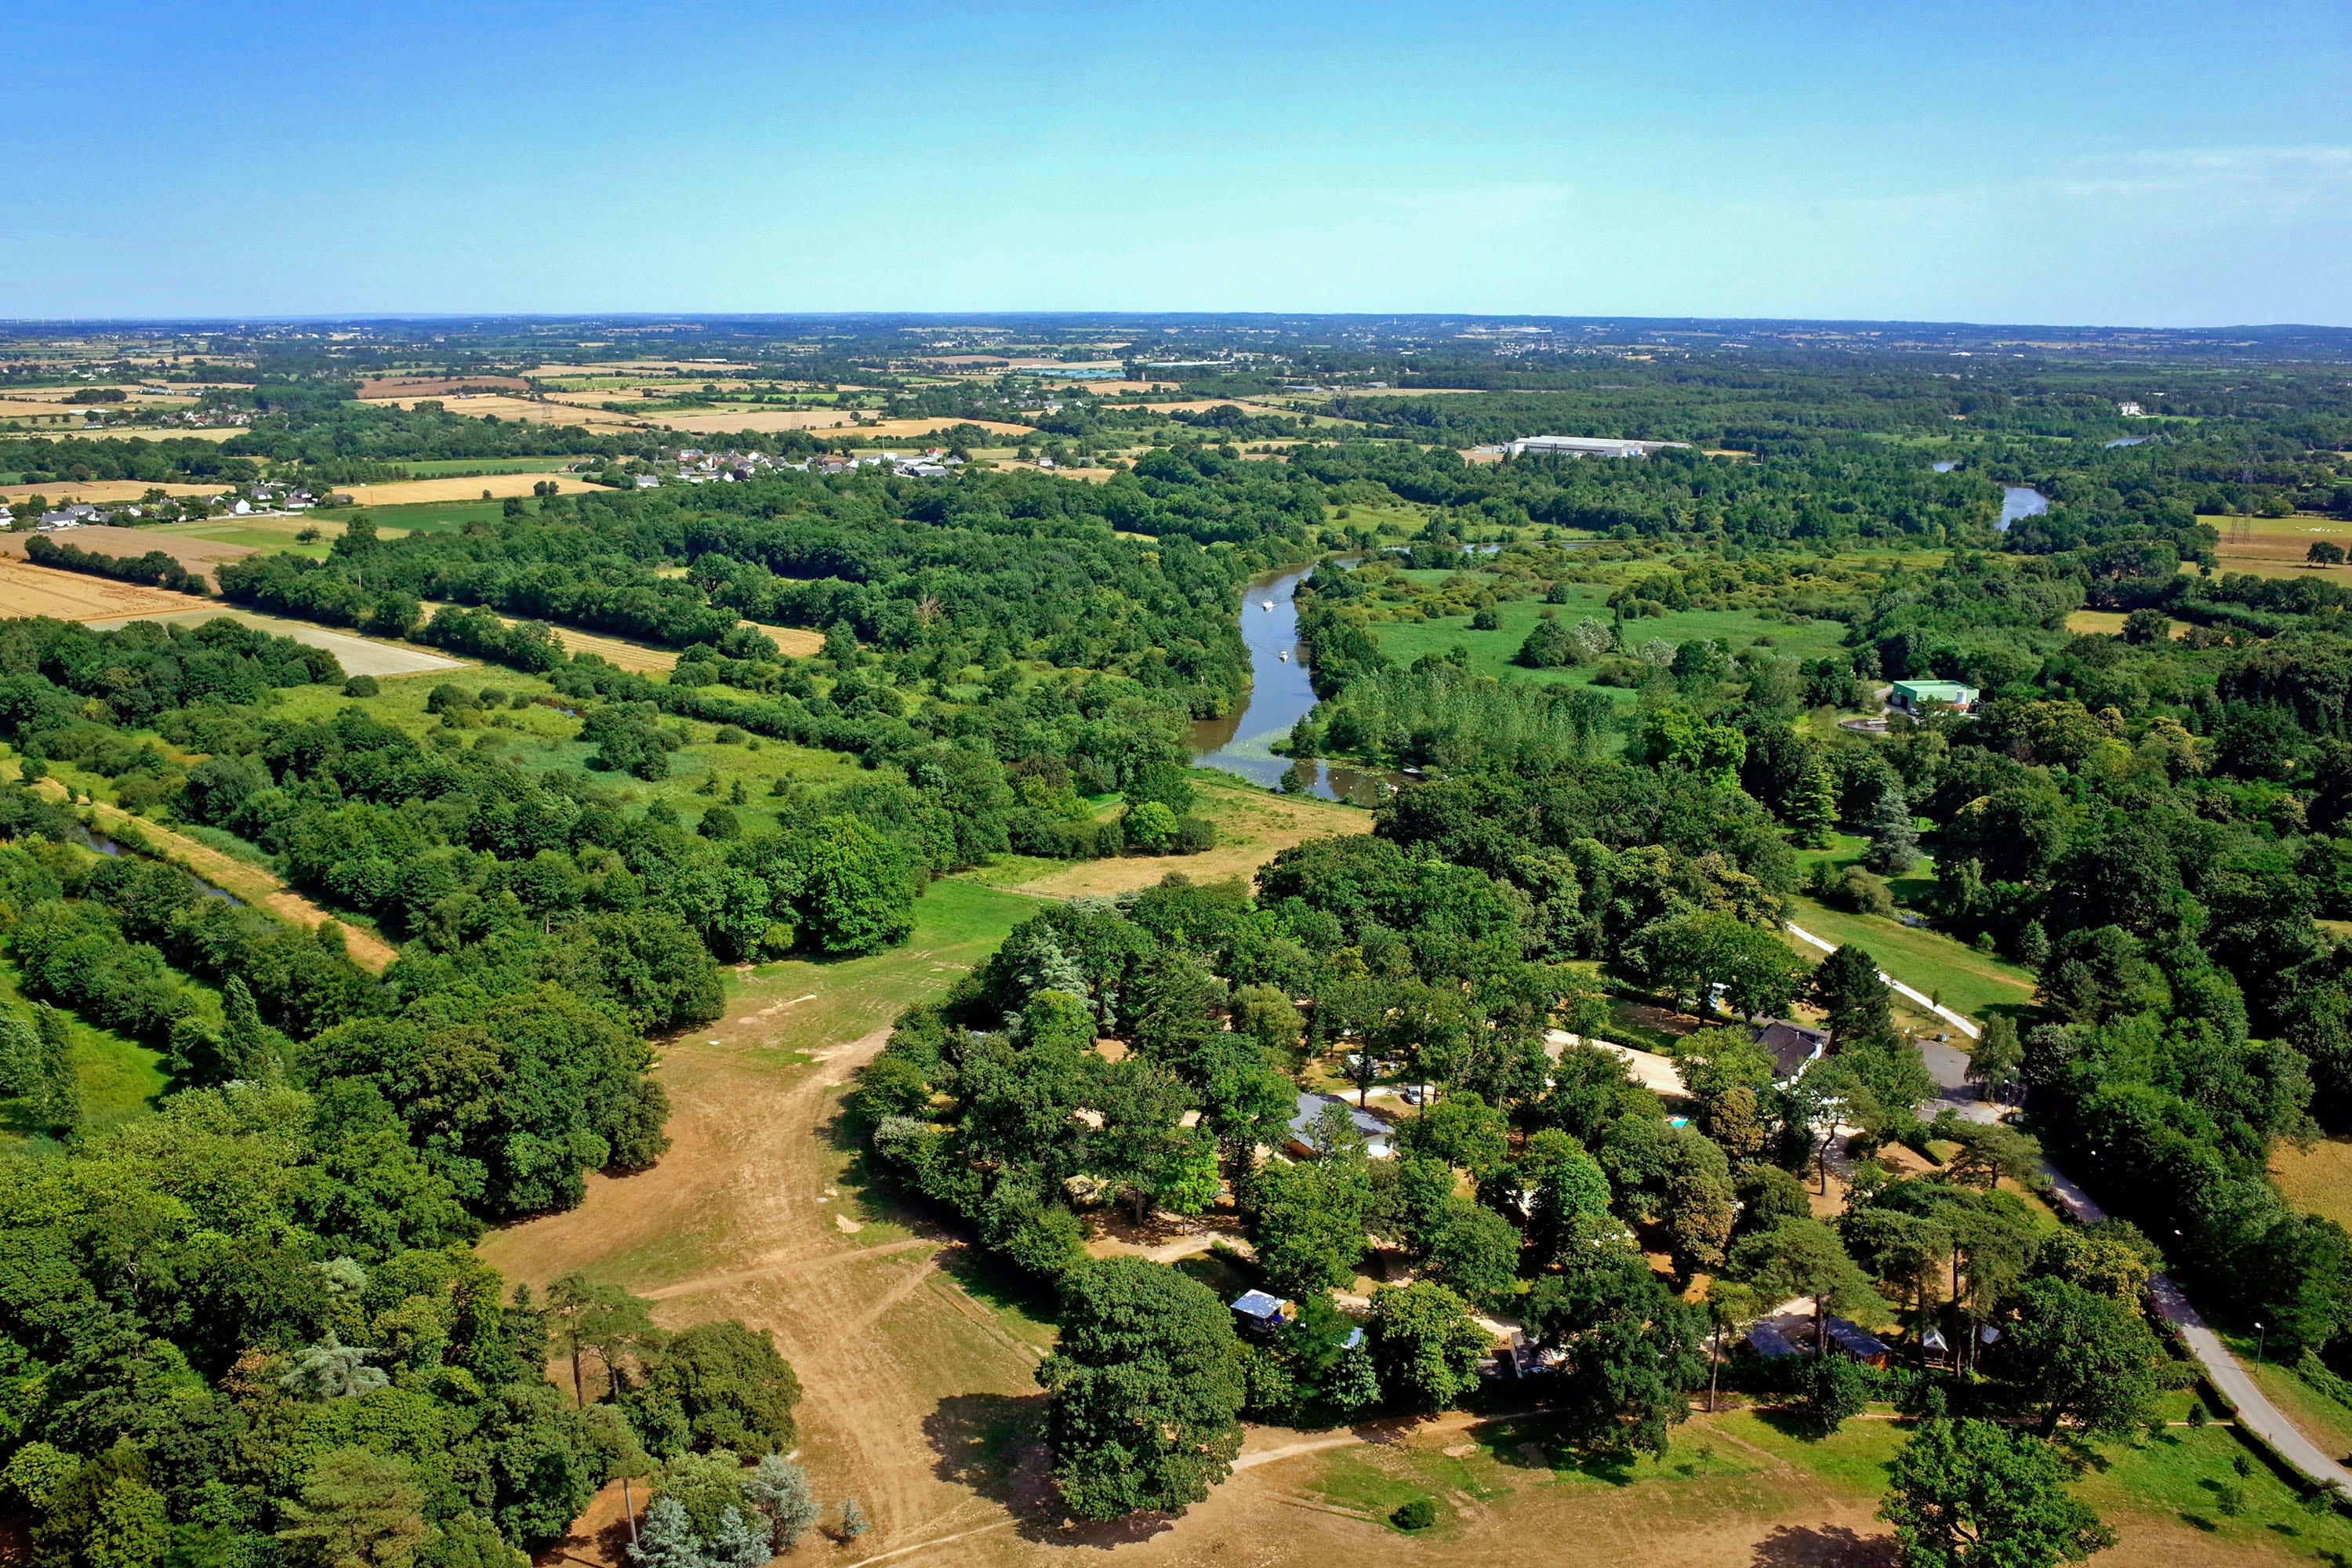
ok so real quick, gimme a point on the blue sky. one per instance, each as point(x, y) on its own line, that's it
point(2071, 161)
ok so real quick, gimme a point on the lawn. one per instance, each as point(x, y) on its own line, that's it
point(1963, 978)
point(2326, 1420)
point(2186, 1477)
point(421, 516)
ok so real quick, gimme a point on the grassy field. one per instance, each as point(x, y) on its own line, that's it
point(119, 1078)
point(1970, 982)
point(426, 517)
point(805, 1004)
point(542, 738)
point(1253, 826)
point(1491, 652)
point(445, 467)
point(1967, 981)
point(2317, 1180)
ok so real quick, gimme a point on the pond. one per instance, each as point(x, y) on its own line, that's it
point(2020, 501)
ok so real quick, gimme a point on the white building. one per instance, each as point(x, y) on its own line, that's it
point(1586, 447)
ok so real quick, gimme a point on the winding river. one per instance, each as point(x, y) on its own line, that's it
point(1279, 696)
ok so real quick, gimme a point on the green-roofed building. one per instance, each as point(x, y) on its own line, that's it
point(1913, 695)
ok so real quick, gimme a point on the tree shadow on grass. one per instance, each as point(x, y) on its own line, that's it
point(1825, 1546)
point(995, 1443)
point(993, 1282)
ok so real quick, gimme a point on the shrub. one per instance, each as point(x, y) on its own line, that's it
point(1418, 1514)
point(360, 685)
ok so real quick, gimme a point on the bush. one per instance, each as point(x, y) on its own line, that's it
point(1418, 1514)
point(360, 685)
point(1195, 835)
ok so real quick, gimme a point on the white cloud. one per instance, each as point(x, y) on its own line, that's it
point(2287, 181)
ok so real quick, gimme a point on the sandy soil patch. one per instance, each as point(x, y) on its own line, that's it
point(408, 493)
point(106, 539)
point(29, 590)
point(104, 491)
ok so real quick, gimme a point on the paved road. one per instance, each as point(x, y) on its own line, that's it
point(2256, 1411)
point(1948, 1067)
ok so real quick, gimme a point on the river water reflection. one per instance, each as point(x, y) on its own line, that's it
point(1279, 696)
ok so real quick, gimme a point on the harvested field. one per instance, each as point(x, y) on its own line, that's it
point(160, 433)
point(2275, 539)
point(634, 367)
point(103, 539)
point(29, 590)
point(358, 655)
point(794, 642)
point(2109, 622)
point(524, 408)
point(1253, 827)
point(435, 386)
point(34, 408)
point(758, 420)
point(102, 492)
point(2316, 1180)
point(408, 493)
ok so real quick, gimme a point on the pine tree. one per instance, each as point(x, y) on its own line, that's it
point(738, 1542)
point(1810, 810)
point(248, 1046)
point(779, 1489)
point(853, 1518)
point(358, 1509)
point(668, 1540)
point(1847, 987)
point(1893, 839)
